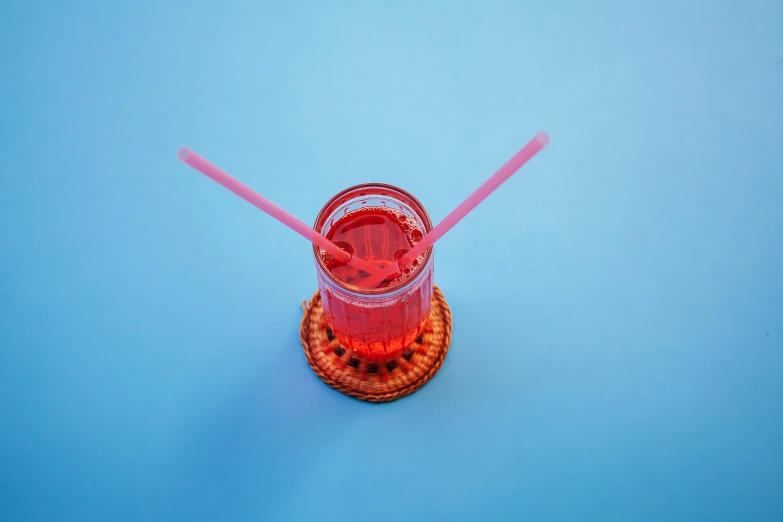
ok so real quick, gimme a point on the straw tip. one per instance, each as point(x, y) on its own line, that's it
point(183, 153)
point(542, 138)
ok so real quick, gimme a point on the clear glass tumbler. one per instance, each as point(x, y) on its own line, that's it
point(376, 323)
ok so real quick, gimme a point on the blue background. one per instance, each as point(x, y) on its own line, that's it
point(618, 305)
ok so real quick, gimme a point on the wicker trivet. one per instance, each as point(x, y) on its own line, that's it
point(375, 381)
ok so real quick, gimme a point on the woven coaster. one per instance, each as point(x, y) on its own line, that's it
point(375, 381)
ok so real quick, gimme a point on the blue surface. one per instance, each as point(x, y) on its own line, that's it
point(619, 356)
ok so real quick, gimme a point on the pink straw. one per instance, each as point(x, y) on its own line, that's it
point(213, 172)
point(479, 195)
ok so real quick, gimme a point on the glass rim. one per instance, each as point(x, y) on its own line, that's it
point(370, 189)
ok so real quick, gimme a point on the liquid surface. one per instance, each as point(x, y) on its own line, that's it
point(379, 235)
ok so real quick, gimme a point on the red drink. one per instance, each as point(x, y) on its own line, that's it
point(378, 223)
point(380, 235)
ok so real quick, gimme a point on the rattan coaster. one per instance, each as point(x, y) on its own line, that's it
point(375, 381)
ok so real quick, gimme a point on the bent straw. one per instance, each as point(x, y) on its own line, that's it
point(488, 187)
point(213, 172)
